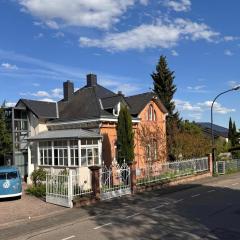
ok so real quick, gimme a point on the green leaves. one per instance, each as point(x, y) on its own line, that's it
point(5, 135)
point(125, 137)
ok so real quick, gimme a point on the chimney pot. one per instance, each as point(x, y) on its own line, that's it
point(91, 80)
point(68, 90)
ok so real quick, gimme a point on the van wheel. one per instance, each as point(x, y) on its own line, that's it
point(19, 197)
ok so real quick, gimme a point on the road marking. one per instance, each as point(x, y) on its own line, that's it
point(196, 195)
point(130, 216)
point(104, 225)
point(179, 200)
point(234, 184)
point(211, 191)
point(69, 237)
point(157, 207)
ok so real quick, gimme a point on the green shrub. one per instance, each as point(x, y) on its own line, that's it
point(37, 191)
point(38, 176)
point(64, 172)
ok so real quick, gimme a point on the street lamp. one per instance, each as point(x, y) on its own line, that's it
point(213, 149)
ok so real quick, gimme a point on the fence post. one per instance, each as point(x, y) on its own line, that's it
point(133, 177)
point(70, 189)
point(210, 163)
point(95, 180)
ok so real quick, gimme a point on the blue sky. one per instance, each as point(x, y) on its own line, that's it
point(44, 43)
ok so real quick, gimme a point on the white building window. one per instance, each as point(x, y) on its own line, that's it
point(60, 153)
point(89, 152)
point(74, 157)
point(68, 153)
point(45, 152)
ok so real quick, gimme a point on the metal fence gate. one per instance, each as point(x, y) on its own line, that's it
point(115, 181)
point(58, 190)
point(62, 189)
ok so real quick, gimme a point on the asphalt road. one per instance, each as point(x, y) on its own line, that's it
point(208, 209)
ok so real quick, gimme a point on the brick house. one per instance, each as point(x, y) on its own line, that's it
point(80, 130)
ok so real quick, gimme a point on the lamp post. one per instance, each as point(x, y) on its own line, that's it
point(213, 148)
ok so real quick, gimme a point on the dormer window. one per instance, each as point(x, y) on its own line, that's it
point(116, 109)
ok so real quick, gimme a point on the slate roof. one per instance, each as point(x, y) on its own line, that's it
point(65, 134)
point(85, 104)
point(218, 131)
point(111, 102)
point(138, 102)
point(43, 110)
point(90, 102)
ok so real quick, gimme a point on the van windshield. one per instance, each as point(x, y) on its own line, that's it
point(8, 175)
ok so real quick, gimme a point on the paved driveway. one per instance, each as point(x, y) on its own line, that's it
point(27, 208)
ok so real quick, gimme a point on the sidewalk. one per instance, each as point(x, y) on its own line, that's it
point(27, 208)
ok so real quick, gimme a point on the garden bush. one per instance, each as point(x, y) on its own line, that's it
point(38, 176)
point(37, 191)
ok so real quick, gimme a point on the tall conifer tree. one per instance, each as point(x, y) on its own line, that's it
point(164, 87)
point(230, 129)
point(5, 136)
point(125, 137)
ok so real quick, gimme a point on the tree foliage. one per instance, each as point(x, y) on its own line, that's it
point(153, 140)
point(190, 141)
point(125, 137)
point(5, 136)
point(164, 87)
point(232, 133)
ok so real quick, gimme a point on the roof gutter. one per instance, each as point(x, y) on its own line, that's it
point(88, 121)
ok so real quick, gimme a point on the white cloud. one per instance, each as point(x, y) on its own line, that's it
point(36, 84)
point(233, 84)
point(163, 35)
point(52, 24)
point(218, 108)
point(87, 13)
point(10, 104)
point(228, 52)
point(187, 106)
point(57, 93)
point(9, 66)
point(230, 38)
point(178, 5)
point(40, 94)
point(47, 100)
point(174, 53)
point(39, 35)
point(196, 110)
point(197, 89)
point(59, 35)
point(144, 2)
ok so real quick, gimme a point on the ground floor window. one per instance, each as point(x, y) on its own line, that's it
point(68, 153)
point(74, 154)
point(45, 152)
point(89, 156)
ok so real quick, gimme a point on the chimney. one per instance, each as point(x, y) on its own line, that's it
point(68, 90)
point(120, 93)
point(91, 80)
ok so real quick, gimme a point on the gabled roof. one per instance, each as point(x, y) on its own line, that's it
point(85, 104)
point(138, 102)
point(218, 131)
point(43, 110)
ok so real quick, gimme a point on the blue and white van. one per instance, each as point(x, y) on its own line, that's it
point(10, 182)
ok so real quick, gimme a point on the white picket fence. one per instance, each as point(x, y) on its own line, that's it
point(156, 172)
point(62, 189)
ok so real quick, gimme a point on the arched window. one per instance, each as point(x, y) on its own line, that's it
point(150, 113)
point(154, 116)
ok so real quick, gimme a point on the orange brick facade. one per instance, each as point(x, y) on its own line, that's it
point(155, 123)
